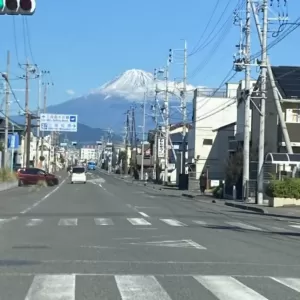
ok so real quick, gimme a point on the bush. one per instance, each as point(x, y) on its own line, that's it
point(287, 188)
point(218, 192)
point(7, 175)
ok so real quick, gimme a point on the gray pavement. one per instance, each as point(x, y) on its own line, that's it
point(110, 239)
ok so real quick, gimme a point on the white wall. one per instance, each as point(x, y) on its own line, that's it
point(219, 153)
point(209, 113)
point(88, 153)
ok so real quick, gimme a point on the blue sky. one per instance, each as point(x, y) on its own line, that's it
point(84, 47)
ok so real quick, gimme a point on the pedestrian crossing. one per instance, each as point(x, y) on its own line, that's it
point(148, 287)
point(154, 222)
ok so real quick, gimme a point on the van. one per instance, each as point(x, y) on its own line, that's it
point(78, 175)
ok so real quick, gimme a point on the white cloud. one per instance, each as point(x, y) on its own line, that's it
point(70, 92)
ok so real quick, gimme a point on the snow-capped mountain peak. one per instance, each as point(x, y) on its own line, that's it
point(129, 80)
point(132, 84)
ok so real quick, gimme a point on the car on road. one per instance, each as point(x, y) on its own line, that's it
point(78, 175)
point(91, 165)
point(31, 176)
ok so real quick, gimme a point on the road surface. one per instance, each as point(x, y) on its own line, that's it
point(108, 239)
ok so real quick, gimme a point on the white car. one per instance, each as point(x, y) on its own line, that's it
point(78, 175)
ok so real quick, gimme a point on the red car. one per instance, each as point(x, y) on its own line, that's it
point(29, 176)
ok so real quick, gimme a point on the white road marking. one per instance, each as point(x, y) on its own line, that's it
point(43, 199)
point(278, 228)
point(3, 221)
point(34, 222)
point(228, 288)
point(140, 287)
point(292, 283)
point(295, 226)
point(67, 222)
point(143, 214)
point(195, 245)
point(102, 187)
point(244, 226)
point(200, 222)
point(103, 221)
point(52, 287)
point(187, 244)
point(138, 221)
point(173, 222)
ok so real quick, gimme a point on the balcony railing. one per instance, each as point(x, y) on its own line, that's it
point(213, 92)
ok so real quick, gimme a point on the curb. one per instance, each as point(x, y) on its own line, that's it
point(188, 195)
point(247, 207)
point(5, 186)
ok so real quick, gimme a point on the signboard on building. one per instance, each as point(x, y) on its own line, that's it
point(161, 148)
point(58, 123)
point(13, 141)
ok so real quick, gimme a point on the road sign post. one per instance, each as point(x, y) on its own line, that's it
point(12, 150)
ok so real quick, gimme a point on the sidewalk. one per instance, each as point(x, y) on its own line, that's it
point(290, 211)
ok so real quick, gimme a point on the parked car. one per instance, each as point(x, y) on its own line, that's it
point(78, 175)
point(30, 176)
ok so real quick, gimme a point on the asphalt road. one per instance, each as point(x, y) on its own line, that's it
point(108, 239)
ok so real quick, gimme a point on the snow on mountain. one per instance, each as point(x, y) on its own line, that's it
point(132, 85)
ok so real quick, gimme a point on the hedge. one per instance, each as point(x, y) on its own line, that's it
point(218, 192)
point(287, 188)
point(6, 175)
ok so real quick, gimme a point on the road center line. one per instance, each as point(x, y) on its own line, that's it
point(43, 199)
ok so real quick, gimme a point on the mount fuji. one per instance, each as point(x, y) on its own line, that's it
point(106, 105)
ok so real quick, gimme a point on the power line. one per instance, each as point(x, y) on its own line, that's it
point(206, 27)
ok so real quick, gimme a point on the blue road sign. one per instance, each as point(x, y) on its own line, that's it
point(58, 122)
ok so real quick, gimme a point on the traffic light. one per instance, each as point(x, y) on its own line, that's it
point(17, 7)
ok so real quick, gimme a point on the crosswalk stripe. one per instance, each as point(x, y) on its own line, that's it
point(138, 221)
point(140, 287)
point(103, 221)
point(295, 226)
point(34, 222)
point(292, 283)
point(199, 222)
point(52, 287)
point(173, 222)
point(228, 288)
point(243, 226)
point(67, 222)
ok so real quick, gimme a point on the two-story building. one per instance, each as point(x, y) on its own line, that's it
point(210, 112)
point(287, 79)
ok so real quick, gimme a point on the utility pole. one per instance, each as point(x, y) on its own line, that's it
point(184, 114)
point(38, 119)
point(247, 99)
point(143, 138)
point(263, 87)
point(126, 143)
point(44, 111)
point(27, 119)
point(167, 120)
point(155, 156)
point(7, 105)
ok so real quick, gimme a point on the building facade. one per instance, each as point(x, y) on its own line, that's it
point(209, 113)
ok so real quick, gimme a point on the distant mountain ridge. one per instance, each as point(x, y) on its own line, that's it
point(107, 105)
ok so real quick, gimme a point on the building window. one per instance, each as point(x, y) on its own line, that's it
point(207, 142)
point(296, 115)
